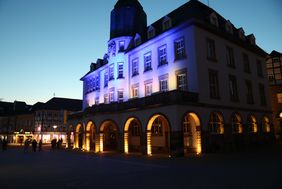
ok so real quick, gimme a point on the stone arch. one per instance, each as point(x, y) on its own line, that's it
point(78, 138)
point(236, 123)
point(216, 123)
point(191, 127)
point(158, 134)
point(90, 136)
point(108, 136)
point(132, 135)
point(252, 123)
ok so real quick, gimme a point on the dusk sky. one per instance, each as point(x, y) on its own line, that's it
point(46, 46)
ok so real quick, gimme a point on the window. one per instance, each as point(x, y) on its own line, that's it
point(187, 126)
point(157, 127)
point(249, 89)
point(279, 98)
point(137, 39)
point(259, 68)
point(213, 19)
point(233, 88)
point(106, 99)
point(253, 127)
point(211, 49)
point(120, 70)
point(106, 79)
point(230, 57)
point(166, 23)
point(135, 67)
point(182, 81)
point(147, 61)
point(120, 95)
point(162, 55)
point(213, 84)
point(111, 72)
point(97, 85)
point(266, 124)
point(246, 63)
point(216, 123)
point(179, 48)
point(262, 95)
point(163, 81)
point(112, 97)
point(236, 124)
point(151, 32)
point(121, 46)
point(97, 101)
point(135, 92)
point(228, 27)
point(241, 34)
point(148, 89)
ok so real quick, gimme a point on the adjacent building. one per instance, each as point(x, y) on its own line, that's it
point(274, 71)
point(190, 82)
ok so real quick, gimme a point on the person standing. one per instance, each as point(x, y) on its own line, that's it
point(34, 145)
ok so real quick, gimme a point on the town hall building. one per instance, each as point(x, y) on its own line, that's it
point(189, 83)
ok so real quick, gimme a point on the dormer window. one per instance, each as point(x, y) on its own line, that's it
point(151, 32)
point(241, 34)
point(252, 39)
point(121, 46)
point(213, 19)
point(137, 39)
point(228, 27)
point(166, 23)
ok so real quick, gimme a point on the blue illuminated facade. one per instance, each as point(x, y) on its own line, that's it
point(189, 83)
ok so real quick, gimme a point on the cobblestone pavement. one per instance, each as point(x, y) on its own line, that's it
point(261, 168)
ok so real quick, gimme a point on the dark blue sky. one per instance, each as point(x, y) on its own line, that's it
point(46, 46)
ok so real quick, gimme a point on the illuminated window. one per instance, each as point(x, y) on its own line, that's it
point(106, 99)
point(162, 55)
point(211, 49)
point(148, 89)
point(216, 123)
point(121, 46)
point(111, 72)
point(135, 92)
point(236, 124)
point(106, 79)
point(157, 127)
point(179, 48)
point(120, 70)
point(253, 124)
point(163, 85)
point(120, 95)
point(279, 98)
point(233, 88)
point(97, 101)
point(262, 95)
point(213, 84)
point(147, 61)
point(112, 97)
point(135, 67)
point(266, 124)
point(230, 57)
point(182, 81)
point(246, 63)
point(249, 90)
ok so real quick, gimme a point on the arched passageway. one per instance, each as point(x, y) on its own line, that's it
point(158, 135)
point(266, 124)
point(236, 122)
point(191, 133)
point(90, 136)
point(79, 136)
point(252, 122)
point(132, 135)
point(108, 136)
